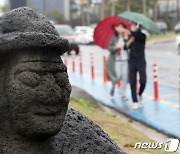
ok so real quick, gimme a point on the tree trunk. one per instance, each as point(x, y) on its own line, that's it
point(128, 5)
point(82, 14)
point(88, 16)
point(155, 10)
point(167, 8)
point(144, 7)
point(102, 9)
point(113, 7)
point(178, 16)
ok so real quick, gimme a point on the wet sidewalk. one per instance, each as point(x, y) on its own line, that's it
point(163, 115)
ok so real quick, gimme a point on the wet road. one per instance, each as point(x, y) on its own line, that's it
point(166, 56)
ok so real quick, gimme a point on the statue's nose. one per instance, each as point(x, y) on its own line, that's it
point(48, 92)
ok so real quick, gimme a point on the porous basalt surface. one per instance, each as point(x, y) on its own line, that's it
point(35, 91)
point(82, 136)
point(24, 28)
point(31, 84)
point(79, 135)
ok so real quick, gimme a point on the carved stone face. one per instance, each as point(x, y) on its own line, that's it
point(37, 90)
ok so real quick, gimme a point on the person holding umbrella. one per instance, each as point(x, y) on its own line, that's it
point(136, 44)
point(117, 63)
point(137, 63)
point(110, 34)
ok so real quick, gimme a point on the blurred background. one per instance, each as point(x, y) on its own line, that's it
point(89, 12)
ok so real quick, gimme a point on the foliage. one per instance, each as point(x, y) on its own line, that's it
point(162, 37)
point(121, 6)
point(168, 22)
point(55, 15)
point(5, 8)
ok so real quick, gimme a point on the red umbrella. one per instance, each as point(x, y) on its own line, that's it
point(104, 30)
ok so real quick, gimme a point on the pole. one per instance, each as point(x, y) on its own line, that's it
point(92, 67)
point(67, 10)
point(65, 59)
point(73, 61)
point(104, 70)
point(80, 64)
point(156, 93)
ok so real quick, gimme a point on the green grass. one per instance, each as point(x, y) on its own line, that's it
point(122, 133)
point(168, 35)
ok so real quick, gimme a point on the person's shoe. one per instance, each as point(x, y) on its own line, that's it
point(124, 98)
point(112, 91)
point(141, 100)
point(135, 106)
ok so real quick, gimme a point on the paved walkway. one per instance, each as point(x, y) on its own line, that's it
point(163, 115)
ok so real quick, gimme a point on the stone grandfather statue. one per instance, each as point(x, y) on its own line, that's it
point(34, 92)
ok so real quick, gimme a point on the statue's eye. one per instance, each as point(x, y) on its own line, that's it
point(61, 79)
point(30, 79)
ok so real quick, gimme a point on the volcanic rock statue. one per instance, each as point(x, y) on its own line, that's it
point(34, 92)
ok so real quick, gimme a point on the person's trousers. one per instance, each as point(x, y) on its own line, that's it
point(137, 65)
point(122, 74)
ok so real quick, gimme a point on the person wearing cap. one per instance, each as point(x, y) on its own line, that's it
point(35, 91)
point(137, 63)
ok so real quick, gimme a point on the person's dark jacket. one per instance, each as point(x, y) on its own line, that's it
point(138, 46)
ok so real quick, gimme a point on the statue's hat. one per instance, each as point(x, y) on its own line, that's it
point(25, 28)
